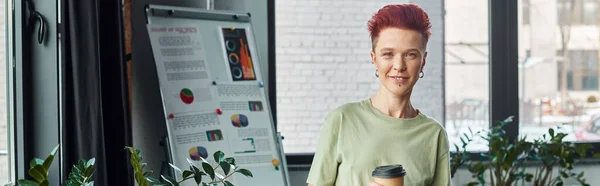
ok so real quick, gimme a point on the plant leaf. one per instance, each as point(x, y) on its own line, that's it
point(138, 166)
point(226, 167)
point(197, 174)
point(245, 172)
point(38, 173)
point(172, 181)
point(44, 183)
point(89, 172)
point(187, 173)
point(580, 175)
point(219, 156)
point(50, 157)
point(27, 183)
point(528, 177)
point(231, 161)
point(35, 161)
point(91, 162)
point(508, 119)
point(81, 174)
point(209, 170)
point(564, 174)
point(227, 183)
point(176, 168)
point(153, 180)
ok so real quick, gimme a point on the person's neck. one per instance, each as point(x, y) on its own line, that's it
point(393, 105)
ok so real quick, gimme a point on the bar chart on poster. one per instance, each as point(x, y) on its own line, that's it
point(213, 95)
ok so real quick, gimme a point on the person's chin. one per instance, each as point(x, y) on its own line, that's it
point(399, 90)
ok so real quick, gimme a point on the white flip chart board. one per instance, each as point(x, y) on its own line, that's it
point(212, 92)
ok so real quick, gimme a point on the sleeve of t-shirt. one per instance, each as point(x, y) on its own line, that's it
point(442, 171)
point(323, 171)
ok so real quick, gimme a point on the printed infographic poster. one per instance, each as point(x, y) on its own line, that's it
point(188, 97)
point(205, 115)
point(238, 54)
point(249, 130)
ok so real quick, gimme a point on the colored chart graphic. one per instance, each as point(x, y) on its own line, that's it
point(197, 152)
point(239, 120)
point(186, 96)
point(214, 135)
point(255, 106)
point(248, 145)
point(238, 54)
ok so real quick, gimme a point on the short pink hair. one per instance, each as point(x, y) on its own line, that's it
point(403, 16)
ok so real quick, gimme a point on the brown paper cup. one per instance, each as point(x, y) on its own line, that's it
point(399, 181)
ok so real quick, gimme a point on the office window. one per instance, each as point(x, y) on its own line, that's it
point(466, 69)
point(558, 81)
point(323, 61)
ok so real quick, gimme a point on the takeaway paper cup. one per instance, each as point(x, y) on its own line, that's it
point(389, 175)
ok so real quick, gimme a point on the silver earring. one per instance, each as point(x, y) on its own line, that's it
point(421, 74)
point(376, 74)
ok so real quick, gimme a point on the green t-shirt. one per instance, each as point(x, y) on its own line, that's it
point(356, 138)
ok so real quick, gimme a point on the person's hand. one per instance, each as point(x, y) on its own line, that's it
point(374, 184)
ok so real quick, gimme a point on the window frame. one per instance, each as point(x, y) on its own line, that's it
point(34, 134)
point(9, 32)
point(38, 91)
point(503, 74)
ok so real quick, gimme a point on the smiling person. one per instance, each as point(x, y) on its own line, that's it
point(386, 129)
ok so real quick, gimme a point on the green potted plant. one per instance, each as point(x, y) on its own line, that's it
point(461, 155)
point(227, 165)
point(506, 161)
point(81, 174)
point(554, 152)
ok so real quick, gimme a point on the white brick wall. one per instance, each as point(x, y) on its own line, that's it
point(323, 62)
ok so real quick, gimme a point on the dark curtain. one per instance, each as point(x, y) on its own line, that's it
point(95, 106)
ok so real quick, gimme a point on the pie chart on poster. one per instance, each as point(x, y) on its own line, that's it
point(197, 152)
point(239, 120)
point(186, 96)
